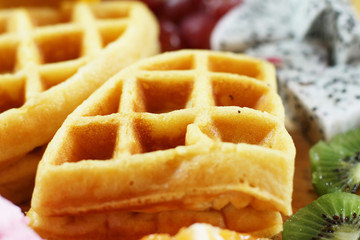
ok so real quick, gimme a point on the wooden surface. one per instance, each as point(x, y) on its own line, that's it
point(303, 193)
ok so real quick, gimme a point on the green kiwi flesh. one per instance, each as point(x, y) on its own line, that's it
point(332, 216)
point(336, 165)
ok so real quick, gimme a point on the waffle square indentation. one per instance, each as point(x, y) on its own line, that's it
point(110, 33)
point(8, 56)
point(161, 134)
point(48, 16)
point(51, 78)
point(3, 25)
point(92, 141)
point(11, 92)
point(165, 95)
point(63, 47)
point(243, 128)
point(110, 11)
point(241, 92)
point(243, 67)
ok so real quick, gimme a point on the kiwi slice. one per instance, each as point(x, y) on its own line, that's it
point(336, 165)
point(332, 216)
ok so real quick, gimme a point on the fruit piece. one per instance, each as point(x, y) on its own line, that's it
point(322, 103)
point(196, 30)
point(331, 216)
point(219, 8)
point(251, 24)
point(13, 223)
point(336, 166)
point(195, 19)
point(155, 5)
point(333, 22)
point(169, 36)
point(176, 9)
point(305, 56)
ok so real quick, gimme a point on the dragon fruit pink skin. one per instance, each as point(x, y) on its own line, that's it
point(13, 223)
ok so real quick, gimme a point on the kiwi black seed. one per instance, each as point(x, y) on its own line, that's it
point(332, 216)
point(336, 165)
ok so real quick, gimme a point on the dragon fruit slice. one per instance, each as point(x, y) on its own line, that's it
point(324, 104)
point(307, 14)
point(346, 49)
point(252, 23)
point(13, 223)
point(310, 55)
point(334, 23)
point(315, 47)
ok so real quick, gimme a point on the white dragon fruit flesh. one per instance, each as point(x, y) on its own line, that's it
point(325, 103)
point(315, 45)
point(309, 55)
point(251, 23)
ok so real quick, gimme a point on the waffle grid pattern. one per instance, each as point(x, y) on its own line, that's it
point(41, 47)
point(174, 139)
point(195, 88)
point(52, 59)
point(162, 114)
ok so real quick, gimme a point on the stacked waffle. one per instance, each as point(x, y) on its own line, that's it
point(51, 59)
point(182, 137)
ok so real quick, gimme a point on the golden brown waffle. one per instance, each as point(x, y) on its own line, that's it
point(43, 53)
point(201, 231)
point(184, 131)
point(134, 225)
point(17, 180)
point(42, 3)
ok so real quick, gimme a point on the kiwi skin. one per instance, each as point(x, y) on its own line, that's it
point(336, 165)
point(332, 216)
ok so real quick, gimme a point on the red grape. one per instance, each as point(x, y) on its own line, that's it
point(169, 36)
point(188, 23)
point(196, 30)
point(177, 9)
point(219, 7)
point(155, 5)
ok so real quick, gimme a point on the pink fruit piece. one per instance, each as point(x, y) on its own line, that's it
point(13, 223)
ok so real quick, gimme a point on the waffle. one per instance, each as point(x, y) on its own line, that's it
point(182, 131)
point(135, 225)
point(51, 59)
point(17, 180)
point(202, 232)
point(41, 3)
